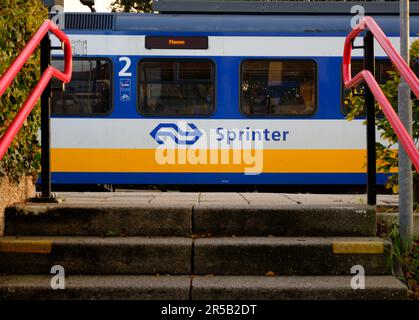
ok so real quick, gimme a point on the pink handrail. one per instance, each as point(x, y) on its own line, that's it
point(48, 74)
point(365, 75)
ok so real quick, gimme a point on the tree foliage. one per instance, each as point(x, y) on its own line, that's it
point(132, 6)
point(387, 154)
point(19, 19)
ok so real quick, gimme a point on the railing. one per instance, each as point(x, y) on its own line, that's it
point(365, 75)
point(46, 77)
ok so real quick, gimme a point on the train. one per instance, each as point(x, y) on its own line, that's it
point(210, 99)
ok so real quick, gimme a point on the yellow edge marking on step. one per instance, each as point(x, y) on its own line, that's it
point(358, 247)
point(26, 246)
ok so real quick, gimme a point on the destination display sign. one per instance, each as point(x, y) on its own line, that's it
point(162, 42)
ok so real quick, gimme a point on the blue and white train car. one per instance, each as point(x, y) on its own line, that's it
point(209, 99)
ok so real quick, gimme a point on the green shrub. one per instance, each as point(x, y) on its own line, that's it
point(19, 20)
point(387, 156)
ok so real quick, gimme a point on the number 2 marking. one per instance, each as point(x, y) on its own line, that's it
point(123, 72)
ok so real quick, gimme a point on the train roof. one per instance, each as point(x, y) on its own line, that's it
point(279, 6)
point(225, 23)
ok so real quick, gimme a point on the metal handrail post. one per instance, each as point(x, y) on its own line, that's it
point(369, 64)
point(46, 121)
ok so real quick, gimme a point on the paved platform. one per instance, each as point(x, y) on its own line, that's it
point(240, 198)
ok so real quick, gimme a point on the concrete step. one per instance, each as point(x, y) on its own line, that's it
point(93, 255)
point(290, 220)
point(177, 219)
point(96, 219)
point(177, 255)
point(290, 255)
point(199, 288)
point(295, 287)
point(127, 287)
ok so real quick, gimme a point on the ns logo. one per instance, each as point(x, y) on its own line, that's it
point(173, 132)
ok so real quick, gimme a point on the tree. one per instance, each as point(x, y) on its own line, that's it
point(387, 155)
point(19, 20)
point(132, 6)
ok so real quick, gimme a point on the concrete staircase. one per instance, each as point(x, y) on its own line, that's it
point(182, 250)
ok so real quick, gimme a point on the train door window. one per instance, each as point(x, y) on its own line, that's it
point(278, 87)
point(89, 91)
point(383, 67)
point(176, 88)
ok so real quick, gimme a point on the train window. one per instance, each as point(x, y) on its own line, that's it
point(382, 69)
point(89, 91)
point(278, 88)
point(176, 88)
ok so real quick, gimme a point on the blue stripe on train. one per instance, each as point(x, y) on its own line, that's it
point(211, 178)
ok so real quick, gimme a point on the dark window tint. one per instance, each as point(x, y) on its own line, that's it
point(172, 88)
point(382, 69)
point(278, 88)
point(89, 91)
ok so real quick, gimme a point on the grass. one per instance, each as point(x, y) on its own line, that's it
point(405, 262)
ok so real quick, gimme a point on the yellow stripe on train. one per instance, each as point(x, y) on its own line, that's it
point(208, 161)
